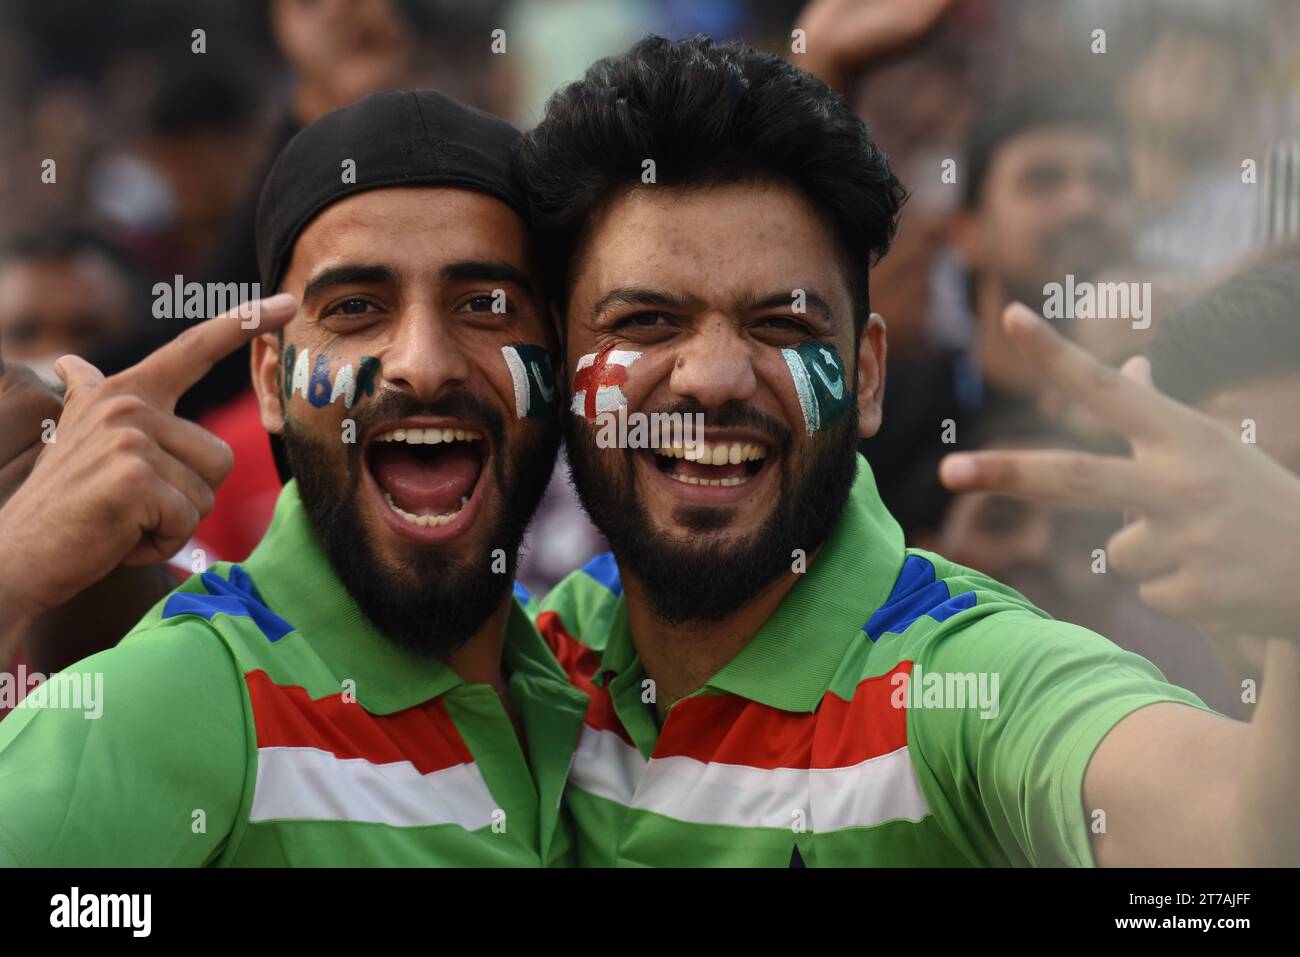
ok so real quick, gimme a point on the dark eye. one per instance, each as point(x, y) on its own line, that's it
point(483, 302)
point(644, 320)
point(783, 324)
point(1043, 179)
point(352, 307)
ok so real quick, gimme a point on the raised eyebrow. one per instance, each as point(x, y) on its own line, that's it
point(345, 275)
point(635, 296)
point(784, 300)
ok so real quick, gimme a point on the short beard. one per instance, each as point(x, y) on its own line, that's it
point(430, 604)
point(687, 582)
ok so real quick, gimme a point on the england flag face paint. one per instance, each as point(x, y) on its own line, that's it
point(534, 379)
point(819, 382)
point(598, 381)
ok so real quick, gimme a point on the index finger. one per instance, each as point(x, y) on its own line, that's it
point(1071, 478)
point(1138, 411)
point(166, 373)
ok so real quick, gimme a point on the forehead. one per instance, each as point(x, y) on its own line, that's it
point(1065, 144)
point(85, 281)
point(715, 242)
point(417, 229)
point(1270, 401)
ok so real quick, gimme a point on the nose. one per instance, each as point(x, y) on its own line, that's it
point(714, 365)
point(1081, 195)
point(425, 357)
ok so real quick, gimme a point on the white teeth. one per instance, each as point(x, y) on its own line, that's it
point(424, 521)
point(715, 454)
point(429, 436)
point(692, 480)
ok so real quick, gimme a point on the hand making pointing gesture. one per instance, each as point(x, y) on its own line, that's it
point(125, 480)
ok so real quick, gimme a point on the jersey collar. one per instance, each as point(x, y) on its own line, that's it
point(789, 664)
point(291, 571)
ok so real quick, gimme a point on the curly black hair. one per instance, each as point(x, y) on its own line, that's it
point(706, 113)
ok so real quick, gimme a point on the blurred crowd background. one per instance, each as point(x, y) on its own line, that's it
point(1163, 150)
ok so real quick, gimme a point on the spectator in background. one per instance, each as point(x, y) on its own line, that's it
point(64, 289)
point(171, 191)
point(1044, 193)
point(1188, 103)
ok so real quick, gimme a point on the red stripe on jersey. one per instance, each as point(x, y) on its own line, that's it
point(580, 663)
point(726, 729)
point(287, 717)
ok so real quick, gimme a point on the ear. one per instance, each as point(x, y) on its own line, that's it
point(267, 383)
point(871, 376)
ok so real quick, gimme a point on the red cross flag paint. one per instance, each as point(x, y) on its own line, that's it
point(598, 381)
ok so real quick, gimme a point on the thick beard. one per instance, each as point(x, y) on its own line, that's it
point(687, 582)
point(430, 604)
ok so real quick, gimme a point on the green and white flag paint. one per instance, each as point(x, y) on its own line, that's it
point(818, 377)
point(530, 368)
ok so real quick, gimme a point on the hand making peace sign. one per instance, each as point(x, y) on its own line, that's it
point(1215, 529)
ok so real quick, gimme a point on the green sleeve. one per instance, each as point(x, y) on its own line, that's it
point(1012, 785)
point(159, 734)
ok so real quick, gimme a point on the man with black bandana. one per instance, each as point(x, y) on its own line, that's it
point(364, 689)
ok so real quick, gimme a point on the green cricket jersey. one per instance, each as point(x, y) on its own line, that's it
point(897, 709)
point(254, 717)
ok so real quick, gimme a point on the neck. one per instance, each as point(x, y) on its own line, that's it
point(680, 658)
point(480, 661)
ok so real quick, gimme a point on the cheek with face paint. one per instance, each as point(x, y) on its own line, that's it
point(315, 383)
point(598, 381)
point(533, 377)
point(819, 382)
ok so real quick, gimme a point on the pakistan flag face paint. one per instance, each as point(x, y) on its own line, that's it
point(534, 380)
point(313, 381)
point(819, 382)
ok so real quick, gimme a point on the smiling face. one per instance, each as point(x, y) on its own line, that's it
point(730, 301)
point(398, 391)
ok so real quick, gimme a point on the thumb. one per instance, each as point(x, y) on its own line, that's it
point(77, 373)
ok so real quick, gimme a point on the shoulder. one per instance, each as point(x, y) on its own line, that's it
point(960, 619)
point(582, 604)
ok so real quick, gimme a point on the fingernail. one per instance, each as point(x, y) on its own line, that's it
point(280, 302)
point(957, 469)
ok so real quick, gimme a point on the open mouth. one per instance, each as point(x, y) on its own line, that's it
point(427, 476)
point(724, 464)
